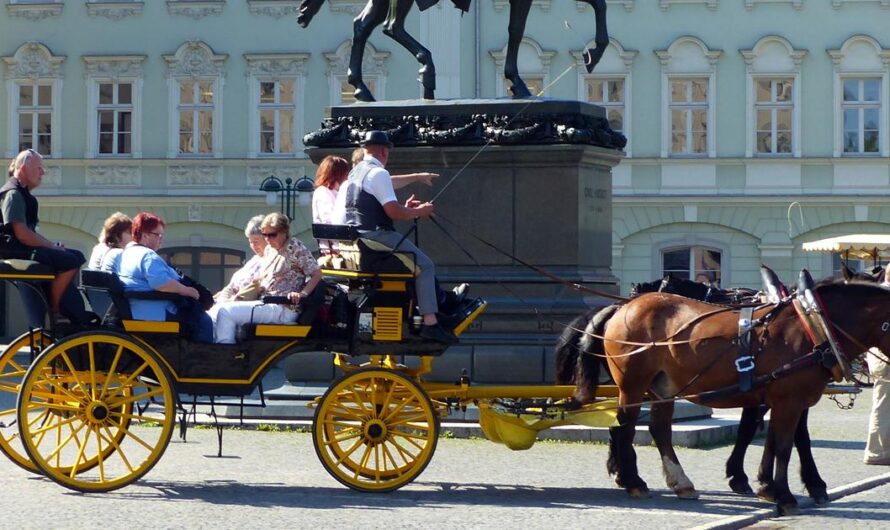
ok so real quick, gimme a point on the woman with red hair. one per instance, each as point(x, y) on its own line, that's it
point(143, 269)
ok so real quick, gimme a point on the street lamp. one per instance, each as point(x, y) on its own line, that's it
point(288, 191)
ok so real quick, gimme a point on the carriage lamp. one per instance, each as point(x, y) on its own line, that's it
point(289, 192)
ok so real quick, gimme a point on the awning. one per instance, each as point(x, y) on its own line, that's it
point(859, 246)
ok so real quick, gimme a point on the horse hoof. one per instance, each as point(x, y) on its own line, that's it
point(767, 494)
point(788, 509)
point(741, 487)
point(687, 493)
point(639, 493)
point(819, 496)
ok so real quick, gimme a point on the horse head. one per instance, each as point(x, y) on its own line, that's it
point(860, 314)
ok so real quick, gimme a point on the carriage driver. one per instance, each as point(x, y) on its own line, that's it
point(368, 200)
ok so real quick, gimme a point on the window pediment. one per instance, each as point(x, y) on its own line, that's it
point(195, 59)
point(34, 60)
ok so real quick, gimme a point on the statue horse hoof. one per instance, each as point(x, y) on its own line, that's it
point(362, 93)
point(740, 486)
point(519, 90)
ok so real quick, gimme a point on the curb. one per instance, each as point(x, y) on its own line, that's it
point(733, 523)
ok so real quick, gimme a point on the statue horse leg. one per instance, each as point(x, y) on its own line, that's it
point(395, 29)
point(371, 16)
point(660, 419)
point(308, 9)
point(809, 474)
point(593, 55)
point(735, 464)
point(518, 16)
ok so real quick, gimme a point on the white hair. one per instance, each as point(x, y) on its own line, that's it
point(21, 159)
point(254, 226)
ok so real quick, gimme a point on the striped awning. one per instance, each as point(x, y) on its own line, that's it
point(859, 246)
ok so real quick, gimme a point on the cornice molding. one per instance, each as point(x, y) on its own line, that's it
point(274, 8)
point(114, 10)
point(113, 66)
point(195, 8)
point(35, 11)
point(276, 65)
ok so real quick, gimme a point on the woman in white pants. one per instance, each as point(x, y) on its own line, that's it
point(291, 272)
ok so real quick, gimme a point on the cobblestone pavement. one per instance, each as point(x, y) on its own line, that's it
point(273, 480)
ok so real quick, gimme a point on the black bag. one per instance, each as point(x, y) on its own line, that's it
point(205, 297)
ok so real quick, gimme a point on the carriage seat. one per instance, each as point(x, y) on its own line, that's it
point(359, 257)
point(23, 269)
point(119, 313)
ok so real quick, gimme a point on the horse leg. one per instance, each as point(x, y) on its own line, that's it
point(371, 16)
point(660, 419)
point(783, 424)
point(735, 464)
point(622, 457)
point(519, 10)
point(809, 474)
point(593, 55)
point(766, 491)
point(395, 29)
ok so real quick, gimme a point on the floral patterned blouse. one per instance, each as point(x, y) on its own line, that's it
point(290, 273)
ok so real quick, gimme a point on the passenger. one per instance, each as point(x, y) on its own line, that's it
point(368, 201)
point(142, 269)
point(332, 172)
point(114, 237)
point(19, 239)
point(291, 272)
point(250, 271)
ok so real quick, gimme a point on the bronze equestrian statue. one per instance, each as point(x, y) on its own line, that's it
point(392, 14)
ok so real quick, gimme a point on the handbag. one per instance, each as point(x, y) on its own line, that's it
point(253, 290)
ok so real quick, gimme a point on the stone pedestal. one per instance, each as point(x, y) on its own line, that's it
point(531, 178)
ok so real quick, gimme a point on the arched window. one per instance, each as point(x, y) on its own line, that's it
point(212, 267)
point(701, 264)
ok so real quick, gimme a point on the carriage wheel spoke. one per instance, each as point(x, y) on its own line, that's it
point(364, 462)
point(132, 436)
point(111, 370)
point(80, 452)
point(117, 449)
point(92, 356)
point(398, 408)
point(395, 465)
point(346, 454)
point(418, 419)
point(73, 372)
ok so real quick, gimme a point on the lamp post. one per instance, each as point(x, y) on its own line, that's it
point(289, 192)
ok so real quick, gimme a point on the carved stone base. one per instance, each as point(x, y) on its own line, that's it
point(541, 197)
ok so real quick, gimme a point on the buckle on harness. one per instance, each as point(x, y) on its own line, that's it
point(744, 364)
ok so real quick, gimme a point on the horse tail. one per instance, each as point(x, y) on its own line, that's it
point(568, 347)
point(592, 355)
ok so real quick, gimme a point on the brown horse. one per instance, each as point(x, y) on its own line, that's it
point(673, 347)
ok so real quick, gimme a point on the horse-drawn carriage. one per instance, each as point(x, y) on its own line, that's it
point(96, 407)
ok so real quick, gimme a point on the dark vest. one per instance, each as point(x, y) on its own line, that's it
point(7, 236)
point(363, 209)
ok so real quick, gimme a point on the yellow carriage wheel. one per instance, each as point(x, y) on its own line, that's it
point(113, 407)
point(13, 365)
point(375, 430)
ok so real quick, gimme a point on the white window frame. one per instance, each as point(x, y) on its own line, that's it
point(263, 68)
point(525, 64)
point(196, 62)
point(373, 70)
point(33, 63)
point(762, 62)
point(688, 107)
point(860, 56)
point(617, 63)
point(692, 243)
point(688, 57)
point(860, 106)
point(113, 69)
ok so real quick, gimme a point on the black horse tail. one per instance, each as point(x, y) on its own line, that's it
point(568, 346)
point(592, 355)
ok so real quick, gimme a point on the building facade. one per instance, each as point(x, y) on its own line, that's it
point(753, 125)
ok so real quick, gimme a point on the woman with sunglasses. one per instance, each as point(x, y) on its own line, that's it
point(143, 269)
point(291, 271)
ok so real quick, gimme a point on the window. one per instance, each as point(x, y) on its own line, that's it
point(373, 73)
point(195, 111)
point(862, 115)
point(861, 70)
point(195, 81)
point(115, 118)
point(700, 264)
point(35, 109)
point(689, 116)
point(277, 109)
point(212, 267)
point(774, 109)
point(608, 93)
